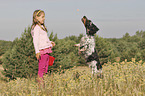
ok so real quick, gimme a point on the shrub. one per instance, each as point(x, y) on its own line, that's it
point(20, 61)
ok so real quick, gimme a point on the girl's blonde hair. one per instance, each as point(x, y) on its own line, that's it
point(36, 22)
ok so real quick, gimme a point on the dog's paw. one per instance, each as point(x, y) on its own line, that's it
point(100, 76)
point(77, 45)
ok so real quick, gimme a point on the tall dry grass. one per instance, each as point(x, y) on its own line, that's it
point(119, 79)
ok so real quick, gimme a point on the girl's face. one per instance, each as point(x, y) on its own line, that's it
point(41, 18)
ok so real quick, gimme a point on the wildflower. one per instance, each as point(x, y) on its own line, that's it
point(140, 61)
point(133, 59)
point(125, 60)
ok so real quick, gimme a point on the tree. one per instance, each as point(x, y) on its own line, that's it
point(20, 61)
point(66, 55)
point(106, 50)
point(4, 46)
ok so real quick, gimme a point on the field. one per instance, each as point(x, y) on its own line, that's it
point(119, 79)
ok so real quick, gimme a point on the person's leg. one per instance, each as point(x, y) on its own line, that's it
point(43, 65)
point(42, 68)
point(47, 63)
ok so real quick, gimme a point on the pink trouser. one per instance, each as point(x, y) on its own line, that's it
point(43, 64)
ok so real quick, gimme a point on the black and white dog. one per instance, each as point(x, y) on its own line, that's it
point(87, 46)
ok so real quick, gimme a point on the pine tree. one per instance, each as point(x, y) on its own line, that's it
point(20, 61)
point(106, 50)
point(66, 55)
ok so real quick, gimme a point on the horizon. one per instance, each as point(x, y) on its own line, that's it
point(84, 34)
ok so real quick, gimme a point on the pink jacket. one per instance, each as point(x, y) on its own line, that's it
point(40, 39)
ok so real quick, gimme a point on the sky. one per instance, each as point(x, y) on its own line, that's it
point(114, 18)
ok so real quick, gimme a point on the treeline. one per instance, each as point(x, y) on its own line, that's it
point(130, 47)
point(20, 61)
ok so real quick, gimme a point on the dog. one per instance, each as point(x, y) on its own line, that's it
point(87, 46)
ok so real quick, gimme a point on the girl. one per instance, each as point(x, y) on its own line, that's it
point(41, 42)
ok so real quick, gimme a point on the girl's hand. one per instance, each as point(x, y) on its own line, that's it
point(53, 44)
point(38, 56)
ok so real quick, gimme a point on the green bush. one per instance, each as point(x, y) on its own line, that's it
point(20, 61)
